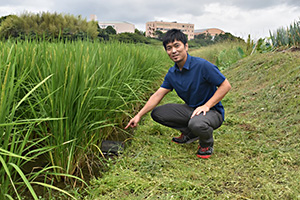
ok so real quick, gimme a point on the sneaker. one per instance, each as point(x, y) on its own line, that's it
point(185, 139)
point(204, 152)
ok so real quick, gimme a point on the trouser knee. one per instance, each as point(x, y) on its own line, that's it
point(155, 115)
point(199, 128)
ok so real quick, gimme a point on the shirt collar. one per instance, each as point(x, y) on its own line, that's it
point(186, 64)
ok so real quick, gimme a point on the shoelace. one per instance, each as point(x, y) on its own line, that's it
point(203, 149)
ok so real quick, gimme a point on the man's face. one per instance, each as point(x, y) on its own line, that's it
point(177, 51)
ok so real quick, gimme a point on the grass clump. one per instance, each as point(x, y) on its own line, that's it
point(256, 150)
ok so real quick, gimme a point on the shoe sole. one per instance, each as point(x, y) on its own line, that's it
point(204, 157)
point(188, 142)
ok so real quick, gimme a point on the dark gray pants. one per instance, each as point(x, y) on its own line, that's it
point(178, 116)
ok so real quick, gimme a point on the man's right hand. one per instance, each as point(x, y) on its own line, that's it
point(133, 122)
point(151, 103)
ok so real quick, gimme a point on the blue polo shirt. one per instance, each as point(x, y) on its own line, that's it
point(196, 83)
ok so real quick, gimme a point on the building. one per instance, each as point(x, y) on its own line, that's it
point(152, 27)
point(211, 31)
point(120, 27)
point(93, 17)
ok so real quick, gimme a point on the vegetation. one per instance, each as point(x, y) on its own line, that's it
point(57, 27)
point(256, 150)
point(203, 40)
point(224, 54)
point(287, 37)
point(132, 38)
point(60, 100)
point(47, 25)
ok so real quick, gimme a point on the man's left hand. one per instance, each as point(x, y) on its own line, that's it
point(201, 109)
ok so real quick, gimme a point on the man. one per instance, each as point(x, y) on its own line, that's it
point(202, 87)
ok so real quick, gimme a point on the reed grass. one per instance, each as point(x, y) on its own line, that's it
point(62, 99)
point(287, 37)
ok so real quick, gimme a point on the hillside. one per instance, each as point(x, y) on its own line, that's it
point(256, 150)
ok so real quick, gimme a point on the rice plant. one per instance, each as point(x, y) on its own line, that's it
point(76, 93)
point(17, 146)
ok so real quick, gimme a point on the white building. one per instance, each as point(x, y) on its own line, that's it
point(120, 27)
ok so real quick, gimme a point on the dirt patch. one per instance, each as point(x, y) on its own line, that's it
point(291, 49)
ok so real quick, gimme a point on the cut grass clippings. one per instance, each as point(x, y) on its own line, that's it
point(256, 150)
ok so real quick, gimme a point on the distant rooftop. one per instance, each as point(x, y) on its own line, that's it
point(113, 22)
point(201, 30)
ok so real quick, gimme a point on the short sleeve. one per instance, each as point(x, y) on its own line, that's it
point(212, 74)
point(166, 84)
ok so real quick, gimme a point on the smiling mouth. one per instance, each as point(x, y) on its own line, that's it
point(175, 56)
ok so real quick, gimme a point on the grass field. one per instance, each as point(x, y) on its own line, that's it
point(256, 150)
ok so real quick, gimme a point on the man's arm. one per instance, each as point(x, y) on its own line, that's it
point(218, 96)
point(150, 105)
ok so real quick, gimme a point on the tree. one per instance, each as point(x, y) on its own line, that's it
point(110, 30)
point(138, 32)
point(4, 18)
point(159, 35)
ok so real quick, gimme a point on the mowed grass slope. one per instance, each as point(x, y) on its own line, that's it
point(256, 150)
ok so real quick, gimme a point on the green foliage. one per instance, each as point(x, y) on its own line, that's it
point(287, 37)
point(202, 40)
point(139, 32)
point(227, 37)
point(131, 38)
point(110, 30)
point(223, 54)
point(262, 46)
point(18, 145)
point(61, 99)
point(4, 18)
point(47, 25)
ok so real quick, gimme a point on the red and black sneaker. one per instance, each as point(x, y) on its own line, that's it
point(185, 139)
point(204, 152)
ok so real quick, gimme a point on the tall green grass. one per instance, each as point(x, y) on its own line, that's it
point(224, 54)
point(76, 93)
point(287, 37)
point(17, 145)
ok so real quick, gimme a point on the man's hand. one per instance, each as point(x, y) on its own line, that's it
point(133, 122)
point(201, 109)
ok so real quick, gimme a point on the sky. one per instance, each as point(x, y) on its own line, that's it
point(238, 17)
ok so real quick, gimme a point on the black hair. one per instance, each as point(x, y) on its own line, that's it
point(172, 35)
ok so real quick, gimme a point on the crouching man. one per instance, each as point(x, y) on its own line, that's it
point(200, 85)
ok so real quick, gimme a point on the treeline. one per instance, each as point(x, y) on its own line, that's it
point(207, 39)
point(110, 33)
point(47, 25)
point(53, 26)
